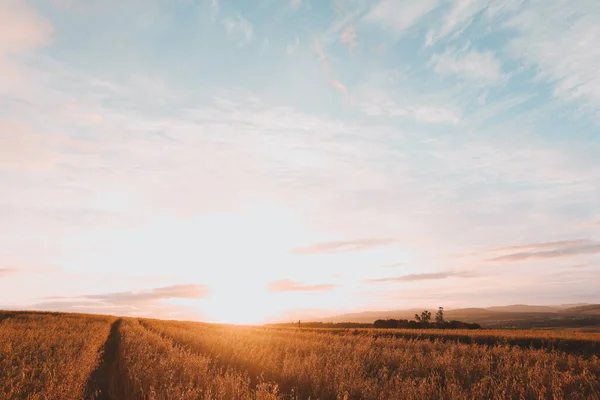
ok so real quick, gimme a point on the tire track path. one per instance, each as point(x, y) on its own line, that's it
point(102, 381)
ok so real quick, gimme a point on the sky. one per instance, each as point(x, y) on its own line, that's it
point(253, 161)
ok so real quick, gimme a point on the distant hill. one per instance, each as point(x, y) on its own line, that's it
point(565, 306)
point(512, 316)
point(524, 308)
point(588, 309)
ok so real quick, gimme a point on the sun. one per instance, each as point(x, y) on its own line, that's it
point(252, 307)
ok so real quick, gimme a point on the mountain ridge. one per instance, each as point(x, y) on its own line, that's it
point(509, 316)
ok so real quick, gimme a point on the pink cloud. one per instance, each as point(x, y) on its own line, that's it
point(286, 285)
point(344, 246)
point(319, 48)
point(23, 148)
point(340, 86)
point(22, 28)
point(323, 57)
point(348, 37)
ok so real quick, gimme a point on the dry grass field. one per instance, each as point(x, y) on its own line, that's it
point(49, 355)
point(62, 356)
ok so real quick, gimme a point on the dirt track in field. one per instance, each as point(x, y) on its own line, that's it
point(101, 383)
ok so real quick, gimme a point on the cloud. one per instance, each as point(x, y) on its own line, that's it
point(340, 86)
point(428, 115)
point(192, 291)
point(286, 285)
point(148, 310)
point(399, 15)
point(344, 246)
point(468, 64)
point(379, 49)
point(580, 266)
point(25, 271)
point(458, 19)
point(393, 265)
point(348, 37)
point(214, 8)
point(23, 28)
point(559, 39)
point(292, 48)
point(379, 96)
point(545, 245)
point(239, 25)
point(423, 277)
point(318, 48)
point(549, 250)
point(7, 271)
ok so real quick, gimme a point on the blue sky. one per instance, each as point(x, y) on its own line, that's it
point(242, 161)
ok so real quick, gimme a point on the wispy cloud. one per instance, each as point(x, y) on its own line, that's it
point(318, 48)
point(399, 15)
point(214, 8)
point(467, 63)
point(423, 277)
point(146, 309)
point(430, 115)
point(286, 285)
point(340, 86)
point(427, 115)
point(7, 271)
point(27, 271)
point(458, 19)
point(291, 48)
point(549, 250)
point(545, 245)
point(344, 246)
point(22, 28)
point(23, 31)
point(558, 38)
point(349, 36)
point(240, 26)
point(192, 291)
point(393, 265)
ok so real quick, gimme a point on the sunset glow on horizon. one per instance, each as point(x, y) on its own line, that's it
point(277, 160)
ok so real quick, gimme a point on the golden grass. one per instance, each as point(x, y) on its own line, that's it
point(49, 356)
point(52, 356)
point(330, 366)
point(152, 367)
point(584, 343)
point(496, 334)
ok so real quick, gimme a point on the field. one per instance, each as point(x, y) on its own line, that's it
point(71, 356)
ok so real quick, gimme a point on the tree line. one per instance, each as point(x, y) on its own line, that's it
point(423, 321)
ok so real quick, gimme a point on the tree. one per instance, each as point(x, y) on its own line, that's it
point(424, 318)
point(439, 316)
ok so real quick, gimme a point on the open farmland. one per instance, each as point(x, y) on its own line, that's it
point(49, 355)
point(70, 356)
